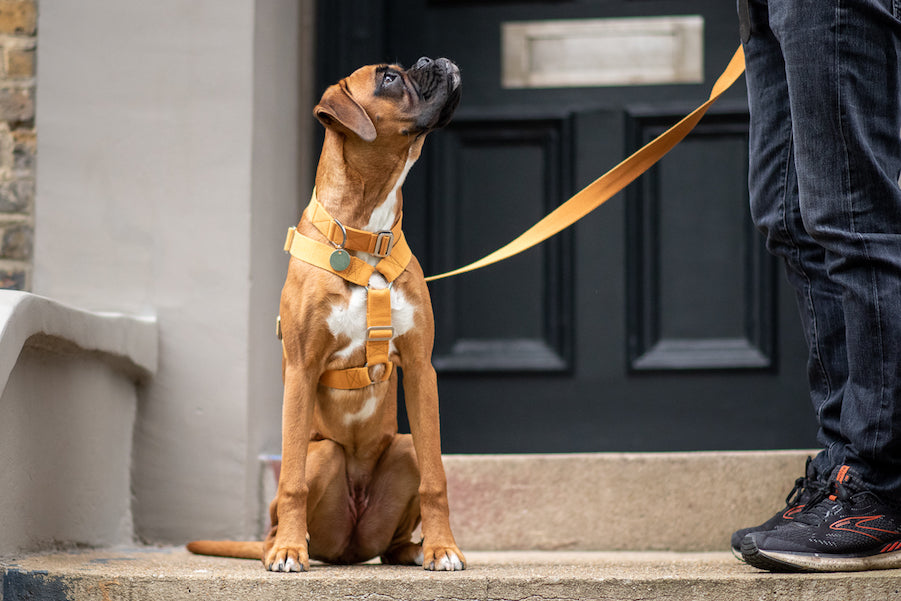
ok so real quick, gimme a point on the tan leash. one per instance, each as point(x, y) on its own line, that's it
point(395, 254)
point(602, 189)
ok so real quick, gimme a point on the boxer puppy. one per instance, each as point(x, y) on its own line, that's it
point(351, 488)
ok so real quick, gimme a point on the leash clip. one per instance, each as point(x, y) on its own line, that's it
point(384, 244)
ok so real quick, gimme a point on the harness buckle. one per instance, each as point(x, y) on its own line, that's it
point(384, 243)
point(387, 333)
point(290, 239)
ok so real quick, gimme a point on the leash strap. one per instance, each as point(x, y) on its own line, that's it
point(379, 330)
point(609, 184)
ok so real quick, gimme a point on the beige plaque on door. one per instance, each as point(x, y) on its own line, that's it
point(603, 52)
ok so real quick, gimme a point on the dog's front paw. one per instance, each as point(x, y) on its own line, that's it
point(287, 558)
point(443, 559)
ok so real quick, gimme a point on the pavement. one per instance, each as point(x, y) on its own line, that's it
point(173, 574)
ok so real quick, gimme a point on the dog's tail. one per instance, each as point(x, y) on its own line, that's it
point(227, 548)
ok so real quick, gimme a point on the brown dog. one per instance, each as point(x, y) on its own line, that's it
point(354, 305)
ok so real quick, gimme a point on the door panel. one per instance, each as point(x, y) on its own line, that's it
point(482, 331)
point(658, 322)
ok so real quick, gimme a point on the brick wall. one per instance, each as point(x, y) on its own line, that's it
point(18, 38)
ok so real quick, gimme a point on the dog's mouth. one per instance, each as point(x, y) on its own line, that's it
point(439, 86)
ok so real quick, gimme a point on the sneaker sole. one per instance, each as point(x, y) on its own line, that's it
point(782, 561)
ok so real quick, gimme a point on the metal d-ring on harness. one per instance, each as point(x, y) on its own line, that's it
point(391, 247)
point(339, 260)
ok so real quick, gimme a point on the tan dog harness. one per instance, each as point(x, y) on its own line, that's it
point(391, 247)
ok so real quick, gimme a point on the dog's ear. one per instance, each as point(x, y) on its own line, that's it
point(338, 106)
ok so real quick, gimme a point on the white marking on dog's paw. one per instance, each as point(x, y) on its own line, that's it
point(293, 566)
point(419, 559)
point(449, 563)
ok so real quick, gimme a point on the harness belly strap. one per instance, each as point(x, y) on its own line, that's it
point(396, 257)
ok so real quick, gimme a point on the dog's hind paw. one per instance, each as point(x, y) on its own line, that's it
point(407, 554)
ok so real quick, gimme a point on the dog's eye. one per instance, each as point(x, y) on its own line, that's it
point(389, 77)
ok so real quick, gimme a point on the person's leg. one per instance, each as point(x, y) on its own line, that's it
point(843, 70)
point(776, 212)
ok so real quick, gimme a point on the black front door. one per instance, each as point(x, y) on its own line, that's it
point(658, 322)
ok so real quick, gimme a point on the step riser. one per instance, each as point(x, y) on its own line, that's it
point(611, 501)
point(632, 502)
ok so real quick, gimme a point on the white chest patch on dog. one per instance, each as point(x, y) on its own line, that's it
point(350, 320)
point(365, 412)
point(382, 217)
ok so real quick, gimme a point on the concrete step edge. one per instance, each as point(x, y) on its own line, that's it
point(174, 574)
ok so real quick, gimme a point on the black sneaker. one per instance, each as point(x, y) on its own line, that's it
point(843, 529)
point(805, 488)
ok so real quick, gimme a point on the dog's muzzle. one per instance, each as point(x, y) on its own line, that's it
point(439, 85)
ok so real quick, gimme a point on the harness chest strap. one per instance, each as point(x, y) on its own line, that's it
point(379, 244)
point(378, 301)
point(359, 271)
point(379, 332)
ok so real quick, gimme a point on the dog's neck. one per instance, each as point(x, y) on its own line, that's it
point(364, 193)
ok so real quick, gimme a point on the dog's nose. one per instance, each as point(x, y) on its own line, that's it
point(423, 62)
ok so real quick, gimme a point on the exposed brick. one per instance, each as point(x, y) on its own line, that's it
point(19, 63)
point(16, 103)
point(13, 278)
point(18, 17)
point(7, 151)
point(17, 241)
point(16, 196)
point(25, 144)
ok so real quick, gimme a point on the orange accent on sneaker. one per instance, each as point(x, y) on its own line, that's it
point(858, 525)
point(842, 475)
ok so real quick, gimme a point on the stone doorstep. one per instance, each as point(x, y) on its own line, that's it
point(174, 574)
point(683, 502)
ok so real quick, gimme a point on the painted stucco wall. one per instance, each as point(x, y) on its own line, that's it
point(65, 447)
point(68, 398)
point(172, 162)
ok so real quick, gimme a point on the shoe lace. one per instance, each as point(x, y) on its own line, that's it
point(824, 499)
point(803, 483)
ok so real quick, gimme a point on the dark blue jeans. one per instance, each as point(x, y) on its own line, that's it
point(824, 89)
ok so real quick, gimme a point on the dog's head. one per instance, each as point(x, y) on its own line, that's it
point(387, 101)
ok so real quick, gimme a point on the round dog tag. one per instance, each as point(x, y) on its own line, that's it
point(339, 260)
